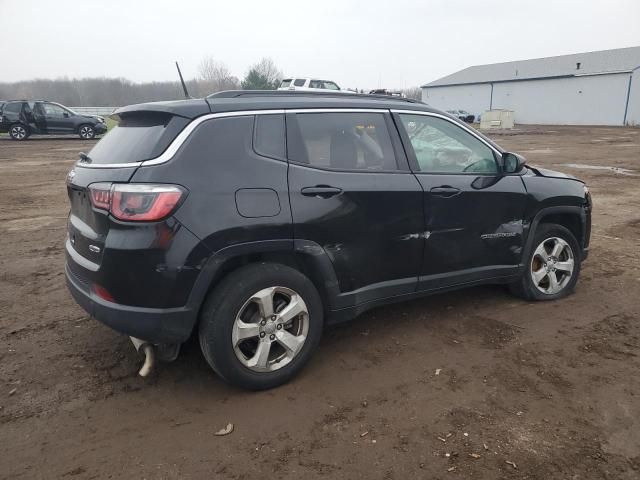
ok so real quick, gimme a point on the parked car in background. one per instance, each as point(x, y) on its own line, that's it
point(462, 115)
point(384, 91)
point(22, 118)
point(309, 84)
point(216, 216)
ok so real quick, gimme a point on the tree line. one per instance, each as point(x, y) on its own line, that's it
point(213, 76)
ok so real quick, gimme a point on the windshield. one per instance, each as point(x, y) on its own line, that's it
point(66, 109)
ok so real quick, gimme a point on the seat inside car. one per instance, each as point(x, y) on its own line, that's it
point(343, 153)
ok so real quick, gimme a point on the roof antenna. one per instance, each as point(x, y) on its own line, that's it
point(184, 86)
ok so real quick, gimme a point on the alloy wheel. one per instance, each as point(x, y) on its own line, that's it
point(270, 329)
point(86, 132)
point(18, 132)
point(552, 265)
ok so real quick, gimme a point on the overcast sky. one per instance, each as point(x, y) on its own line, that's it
point(366, 44)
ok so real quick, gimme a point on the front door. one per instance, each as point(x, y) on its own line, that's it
point(473, 212)
point(58, 119)
point(352, 193)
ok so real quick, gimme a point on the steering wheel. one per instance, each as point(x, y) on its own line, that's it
point(482, 160)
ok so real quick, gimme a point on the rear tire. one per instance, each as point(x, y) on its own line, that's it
point(86, 132)
point(260, 325)
point(18, 132)
point(552, 266)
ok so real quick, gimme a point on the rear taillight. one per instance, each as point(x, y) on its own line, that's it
point(136, 202)
point(100, 195)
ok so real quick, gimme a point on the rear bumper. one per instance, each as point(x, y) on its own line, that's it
point(156, 325)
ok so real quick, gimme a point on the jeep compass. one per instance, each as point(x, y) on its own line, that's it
point(254, 219)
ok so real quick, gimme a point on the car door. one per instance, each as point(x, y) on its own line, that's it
point(58, 119)
point(473, 212)
point(352, 194)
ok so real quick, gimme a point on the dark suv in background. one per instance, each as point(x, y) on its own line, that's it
point(21, 118)
point(257, 218)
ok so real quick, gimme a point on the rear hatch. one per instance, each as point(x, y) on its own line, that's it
point(140, 135)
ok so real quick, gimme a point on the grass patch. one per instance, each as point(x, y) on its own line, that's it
point(110, 123)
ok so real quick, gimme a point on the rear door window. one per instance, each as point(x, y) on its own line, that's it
point(341, 141)
point(299, 82)
point(138, 136)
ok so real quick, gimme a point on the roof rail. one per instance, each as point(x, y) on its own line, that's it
point(304, 93)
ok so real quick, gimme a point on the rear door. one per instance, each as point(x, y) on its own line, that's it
point(352, 193)
point(473, 213)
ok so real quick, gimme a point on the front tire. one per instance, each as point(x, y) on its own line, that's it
point(86, 132)
point(18, 132)
point(260, 325)
point(552, 266)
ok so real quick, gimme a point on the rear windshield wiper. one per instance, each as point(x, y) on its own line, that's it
point(84, 158)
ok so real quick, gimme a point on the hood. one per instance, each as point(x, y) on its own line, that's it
point(543, 172)
point(95, 117)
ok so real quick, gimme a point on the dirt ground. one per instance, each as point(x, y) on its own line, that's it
point(471, 384)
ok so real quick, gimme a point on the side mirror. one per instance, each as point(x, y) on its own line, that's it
point(66, 115)
point(512, 162)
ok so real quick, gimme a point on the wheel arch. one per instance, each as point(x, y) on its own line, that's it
point(305, 256)
point(572, 218)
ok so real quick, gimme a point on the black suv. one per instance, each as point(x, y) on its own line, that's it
point(257, 218)
point(21, 118)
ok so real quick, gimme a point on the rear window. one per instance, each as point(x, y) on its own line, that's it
point(13, 107)
point(285, 83)
point(139, 136)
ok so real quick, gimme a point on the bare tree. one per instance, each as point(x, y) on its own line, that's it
point(264, 75)
point(413, 92)
point(214, 76)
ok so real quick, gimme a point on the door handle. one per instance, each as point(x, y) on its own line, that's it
point(322, 191)
point(445, 191)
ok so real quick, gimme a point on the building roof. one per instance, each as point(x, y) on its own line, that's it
point(589, 63)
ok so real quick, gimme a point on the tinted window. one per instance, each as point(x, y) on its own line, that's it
point(52, 110)
point(14, 107)
point(138, 136)
point(285, 83)
point(443, 147)
point(268, 137)
point(330, 86)
point(299, 82)
point(343, 141)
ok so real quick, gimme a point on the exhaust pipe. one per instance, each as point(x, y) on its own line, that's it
point(149, 352)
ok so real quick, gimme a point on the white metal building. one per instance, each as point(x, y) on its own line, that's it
point(593, 88)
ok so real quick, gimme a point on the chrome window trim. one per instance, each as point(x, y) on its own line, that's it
point(444, 117)
point(179, 140)
point(186, 132)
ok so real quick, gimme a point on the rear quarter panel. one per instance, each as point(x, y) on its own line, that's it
point(214, 163)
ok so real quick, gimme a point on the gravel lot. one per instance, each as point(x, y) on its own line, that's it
point(471, 384)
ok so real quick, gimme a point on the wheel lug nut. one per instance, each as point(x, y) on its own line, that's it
point(263, 323)
point(262, 334)
point(273, 318)
point(272, 336)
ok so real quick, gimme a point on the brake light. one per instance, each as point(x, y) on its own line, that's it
point(136, 202)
